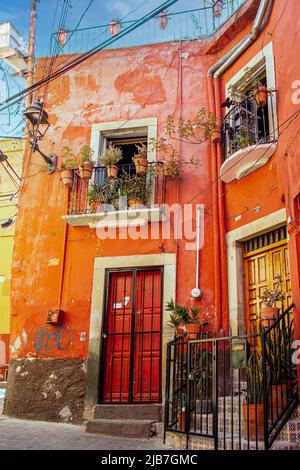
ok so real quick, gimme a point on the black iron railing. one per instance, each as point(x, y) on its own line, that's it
point(127, 189)
point(232, 393)
point(247, 124)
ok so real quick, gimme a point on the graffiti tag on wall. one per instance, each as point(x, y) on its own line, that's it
point(47, 340)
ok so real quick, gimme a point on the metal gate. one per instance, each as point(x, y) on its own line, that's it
point(131, 336)
point(223, 394)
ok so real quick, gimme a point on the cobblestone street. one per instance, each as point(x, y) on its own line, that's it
point(18, 434)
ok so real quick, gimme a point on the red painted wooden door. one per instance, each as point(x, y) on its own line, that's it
point(132, 337)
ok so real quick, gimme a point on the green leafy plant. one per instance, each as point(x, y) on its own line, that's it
point(98, 193)
point(111, 156)
point(68, 160)
point(183, 314)
point(85, 154)
point(254, 379)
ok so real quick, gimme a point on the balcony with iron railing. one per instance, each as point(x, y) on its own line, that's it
point(132, 197)
point(169, 26)
point(249, 137)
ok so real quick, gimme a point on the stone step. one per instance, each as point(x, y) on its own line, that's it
point(135, 412)
point(121, 427)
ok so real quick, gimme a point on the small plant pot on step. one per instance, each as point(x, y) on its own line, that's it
point(67, 178)
point(253, 422)
point(193, 330)
point(278, 399)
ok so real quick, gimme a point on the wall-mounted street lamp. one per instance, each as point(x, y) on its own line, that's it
point(38, 122)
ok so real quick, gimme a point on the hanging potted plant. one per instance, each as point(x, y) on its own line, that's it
point(140, 159)
point(115, 26)
point(68, 164)
point(85, 164)
point(173, 168)
point(216, 134)
point(269, 312)
point(253, 409)
point(261, 95)
point(163, 19)
point(110, 158)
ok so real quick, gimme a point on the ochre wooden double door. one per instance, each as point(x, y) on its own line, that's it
point(261, 267)
point(131, 359)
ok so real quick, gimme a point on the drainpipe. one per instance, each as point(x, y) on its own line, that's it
point(219, 228)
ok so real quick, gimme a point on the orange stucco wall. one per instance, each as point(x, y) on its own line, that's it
point(112, 86)
point(150, 81)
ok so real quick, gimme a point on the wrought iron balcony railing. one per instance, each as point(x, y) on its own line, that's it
point(173, 26)
point(247, 124)
point(127, 190)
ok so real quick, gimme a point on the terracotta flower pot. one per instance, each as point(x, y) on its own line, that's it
point(112, 171)
point(86, 170)
point(135, 203)
point(253, 418)
point(268, 316)
point(141, 165)
point(278, 398)
point(261, 96)
point(216, 135)
point(193, 330)
point(67, 178)
point(114, 27)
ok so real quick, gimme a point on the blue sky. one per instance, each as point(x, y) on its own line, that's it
point(101, 12)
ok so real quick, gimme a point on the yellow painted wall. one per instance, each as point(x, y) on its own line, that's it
point(13, 148)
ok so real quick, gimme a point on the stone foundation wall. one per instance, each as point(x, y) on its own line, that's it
point(46, 390)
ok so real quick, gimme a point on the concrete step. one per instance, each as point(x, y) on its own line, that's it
point(135, 412)
point(131, 428)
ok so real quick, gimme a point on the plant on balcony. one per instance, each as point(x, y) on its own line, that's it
point(260, 93)
point(67, 165)
point(110, 158)
point(140, 159)
point(85, 163)
point(196, 130)
point(115, 26)
point(137, 189)
point(98, 197)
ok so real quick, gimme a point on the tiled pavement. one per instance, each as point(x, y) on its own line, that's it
point(21, 434)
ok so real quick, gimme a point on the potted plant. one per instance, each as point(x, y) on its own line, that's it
point(269, 313)
point(189, 323)
point(173, 168)
point(253, 409)
point(163, 19)
point(110, 158)
point(277, 345)
point(97, 197)
point(140, 159)
point(216, 134)
point(260, 93)
point(137, 190)
point(67, 165)
point(115, 26)
point(85, 164)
